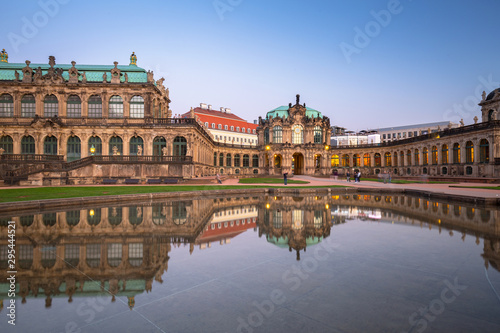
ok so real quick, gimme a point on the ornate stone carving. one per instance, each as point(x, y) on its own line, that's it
point(27, 73)
point(115, 74)
point(73, 73)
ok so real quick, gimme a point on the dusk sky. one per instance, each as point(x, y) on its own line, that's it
point(364, 64)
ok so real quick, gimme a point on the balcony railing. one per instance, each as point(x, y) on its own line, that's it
point(31, 158)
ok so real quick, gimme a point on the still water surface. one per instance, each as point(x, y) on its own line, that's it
point(348, 263)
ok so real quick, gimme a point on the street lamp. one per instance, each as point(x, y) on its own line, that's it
point(92, 150)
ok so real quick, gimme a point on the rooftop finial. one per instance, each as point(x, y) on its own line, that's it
point(133, 59)
point(4, 56)
point(52, 61)
point(298, 98)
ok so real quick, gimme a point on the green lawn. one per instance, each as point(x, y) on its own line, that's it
point(41, 193)
point(480, 187)
point(270, 181)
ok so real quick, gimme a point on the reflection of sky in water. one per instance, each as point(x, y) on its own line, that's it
point(226, 266)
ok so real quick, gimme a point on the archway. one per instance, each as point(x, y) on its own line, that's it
point(298, 164)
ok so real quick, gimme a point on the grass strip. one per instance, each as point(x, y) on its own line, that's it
point(42, 193)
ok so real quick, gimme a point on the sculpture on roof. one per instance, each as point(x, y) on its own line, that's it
point(133, 59)
point(4, 56)
point(27, 72)
point(484, 95)
point(73, 73)
point(115, 73)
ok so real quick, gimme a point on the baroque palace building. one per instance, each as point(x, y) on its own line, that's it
point(86, 124)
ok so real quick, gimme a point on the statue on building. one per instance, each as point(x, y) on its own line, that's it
point(484, 95)
point(84, 78)
point(4, 56)
point(133, 59)
point(462, 123)
point(475, 119)
point(115, 150)
point(104, 78)
point(164, 151)
point(2, 151)
point(16, 75)
point(139, 150)
point(126, 77)
point(188, 149)
point(191, 113)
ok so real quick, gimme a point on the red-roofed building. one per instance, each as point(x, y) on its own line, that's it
point(225, 126)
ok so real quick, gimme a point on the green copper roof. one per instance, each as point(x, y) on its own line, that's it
point(282, 111)
point(93, 73)
point(280, 242)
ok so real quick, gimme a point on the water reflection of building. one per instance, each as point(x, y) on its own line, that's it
point(453, 217)
point(106, 251)
point(295, 222)
point(226, 224)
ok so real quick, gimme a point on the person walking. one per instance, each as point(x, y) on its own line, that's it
point(285, 177)
point(335, 175)
point(359, 176)
point(348, 176)
point(218, 179)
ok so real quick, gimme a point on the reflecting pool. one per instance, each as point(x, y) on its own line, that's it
point(320, 263)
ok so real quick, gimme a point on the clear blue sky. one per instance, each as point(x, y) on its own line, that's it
point(428, 62)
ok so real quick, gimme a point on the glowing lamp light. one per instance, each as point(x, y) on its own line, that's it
point(327, 206)
point(91, 212)
point(268, 206)
point(268, 147)
point(92, 150)
point(439, 221)
point(327, 147)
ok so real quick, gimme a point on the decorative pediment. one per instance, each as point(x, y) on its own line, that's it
point(39, 122)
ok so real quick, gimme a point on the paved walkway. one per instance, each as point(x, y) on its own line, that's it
point(437, 188)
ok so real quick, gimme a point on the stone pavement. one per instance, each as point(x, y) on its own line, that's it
point(428, 187)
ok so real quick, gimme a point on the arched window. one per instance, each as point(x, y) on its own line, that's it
point(228, 160)
point(434, 155)
point(74, 107)
point(484, 151)
point(246, 161)
point(215, 158)
point(135, 143)
point(425, 156)
point(95, 106)
point(238, 129)
point(277, 134)
point(469, 152)
point(73, 217)
point(180, 146)
point(6, 106)
point(356, 160)
point(115, 145)
point(135, 215)
point(115, 107)
point(388, 159)
point(297, 135)
point(94, 216)
point(206, 124)
point(266, 135)
point(255, 161)
point(378, 160)
point(237, 160)
point(159, 143)
point(7, 144)
point(73, 149)
point(114, 255)
point(213, 125)
point(335, 161)
point(28, 106)
point(277, 161)
point(367, 160)
point(444, 154)
point(490, 115)
point(232, 128)
point(318, 134)
point(221, 159)
point(95, 145)
point(27, 145)
point(225, 127)
point(345, 160)
point(417, 157)
point(115, 216)
point(137, 107)
point(50, 106)
point(408, 157)
point(402, 158)
point(456, 153)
